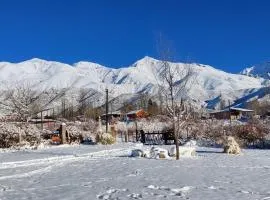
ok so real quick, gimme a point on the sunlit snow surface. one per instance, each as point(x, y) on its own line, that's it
point(100, 172)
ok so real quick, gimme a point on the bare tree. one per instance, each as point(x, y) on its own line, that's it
point(174, 82)
point(24, 102)
point(142, 101)
point(82, 101)
point(81, 104)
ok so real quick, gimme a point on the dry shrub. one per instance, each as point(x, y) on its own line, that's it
point(231, 146)
point(81, 130)
point(10, 132)
point(207, 132)
point(253, 133)
point(75, 133)
point(105, 139)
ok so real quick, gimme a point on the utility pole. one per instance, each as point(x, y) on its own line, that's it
point(41, 120)
point(64, 108)
point(230, 112)
point(107, 102)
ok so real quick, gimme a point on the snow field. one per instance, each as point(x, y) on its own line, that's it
point(106, 172)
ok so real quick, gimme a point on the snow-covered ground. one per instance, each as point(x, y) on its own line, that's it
point(105, 172)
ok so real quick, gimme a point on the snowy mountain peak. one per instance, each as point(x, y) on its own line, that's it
point(35, 60)
point(247, 71)
point(260, 70)
point(145, 60)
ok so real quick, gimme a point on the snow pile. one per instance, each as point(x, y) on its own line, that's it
point(159, 153)
point(162, 153)
point(153, 153)
point(190, 143)
point(184, 151)
point(139, 153)
point(231, 146)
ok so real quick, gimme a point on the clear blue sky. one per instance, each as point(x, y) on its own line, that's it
point(229, 34)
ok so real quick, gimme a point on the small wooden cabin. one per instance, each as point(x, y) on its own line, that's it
point(137, 114)
point(231, 113)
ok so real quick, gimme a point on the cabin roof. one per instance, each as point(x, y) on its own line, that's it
point(134, 112)
point(232, 108)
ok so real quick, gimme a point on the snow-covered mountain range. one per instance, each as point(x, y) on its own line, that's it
point(140, 77)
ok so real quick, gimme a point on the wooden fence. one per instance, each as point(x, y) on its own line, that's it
point(156, 137)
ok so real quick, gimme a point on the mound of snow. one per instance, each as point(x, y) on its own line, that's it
point(140, 153)
point(190, 143)
point(159, 153)
point(184, 151)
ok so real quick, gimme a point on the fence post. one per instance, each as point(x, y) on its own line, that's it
point(136, 131)
point(165, 138)
point(20, 136)
point(63, 133)
point(142, 136)
point(126, 136)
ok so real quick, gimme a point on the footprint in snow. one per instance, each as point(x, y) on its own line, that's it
point(104, 196)
point(158, 195)
point(245, 192)
point(135, 196)
point(212, 187)
point(108, 194)
point(4, 188)
point(102, 180)
point(153, 187)
point(136, 173)
point(180, 191)
point(173, 191)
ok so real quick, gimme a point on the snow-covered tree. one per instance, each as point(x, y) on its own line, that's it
point(174, 83)
point(22, 101)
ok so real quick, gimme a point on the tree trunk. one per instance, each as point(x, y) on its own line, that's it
point(174, 116)
point(176, 141)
